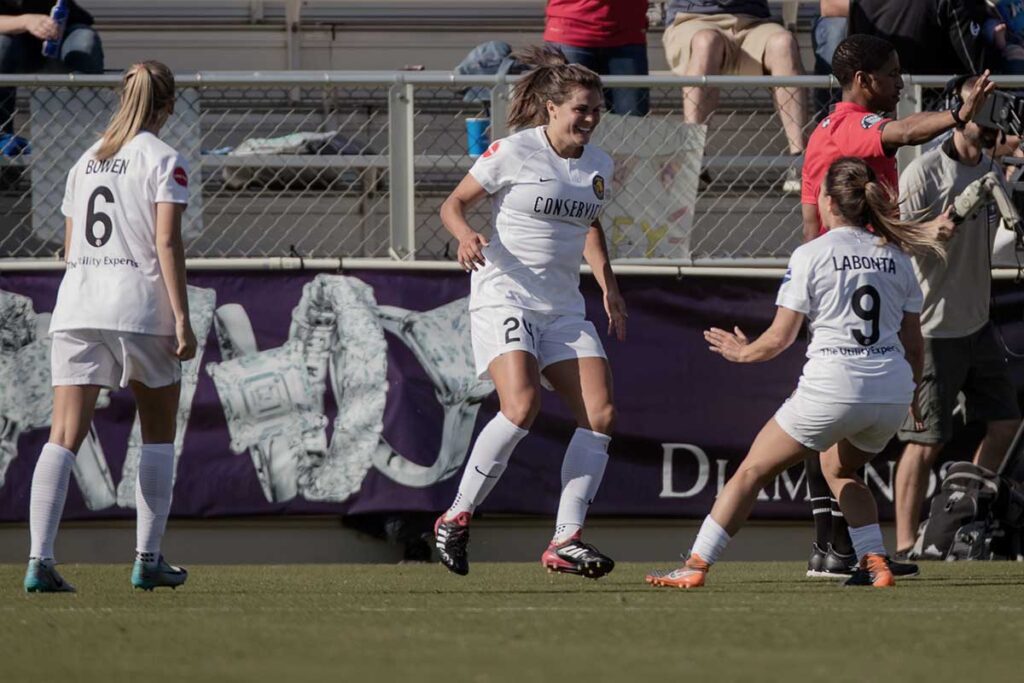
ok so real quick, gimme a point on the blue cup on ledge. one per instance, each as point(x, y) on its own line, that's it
point(477, 138)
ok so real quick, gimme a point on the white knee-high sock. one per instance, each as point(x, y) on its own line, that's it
point(711, 541)
point(487, 461)
point(582, 471)
point(867, 539)
point(153, 498)
point(46, 502)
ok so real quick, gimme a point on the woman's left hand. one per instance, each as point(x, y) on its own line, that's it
point(615, 307)
point(727, 344)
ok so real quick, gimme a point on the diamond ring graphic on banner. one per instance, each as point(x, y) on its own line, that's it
point(337, 334)
point(26, 397)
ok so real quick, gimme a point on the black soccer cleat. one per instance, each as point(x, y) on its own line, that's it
point(834, 565)
point(900, 569)
point(816, 560)
point(451, 538)
point(576, 557)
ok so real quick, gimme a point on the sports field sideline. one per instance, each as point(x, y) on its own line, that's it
point(755, 621)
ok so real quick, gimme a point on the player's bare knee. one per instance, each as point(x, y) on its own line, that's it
point(1003, 430)
point(781, 54)
point(67, 437)
point(522, 408)
point(600, 419)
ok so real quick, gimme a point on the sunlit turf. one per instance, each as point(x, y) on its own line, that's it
point(513, 622)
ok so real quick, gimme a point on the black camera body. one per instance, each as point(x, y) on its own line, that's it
point(1002, 110)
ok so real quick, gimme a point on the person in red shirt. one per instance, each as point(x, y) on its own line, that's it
point(606, 36)
point(868, 70)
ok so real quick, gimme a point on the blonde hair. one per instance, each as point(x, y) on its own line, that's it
point(862, 200)
point(553, 80)
point(147, 91)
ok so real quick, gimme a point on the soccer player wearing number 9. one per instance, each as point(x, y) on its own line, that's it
point(547, 188)
point(121, 319)
point(858, 290)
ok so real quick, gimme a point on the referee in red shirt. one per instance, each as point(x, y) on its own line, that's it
point(868, 70)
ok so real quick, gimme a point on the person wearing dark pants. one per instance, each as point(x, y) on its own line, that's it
point(608, 37)
point(962, 351)
point(24, 25)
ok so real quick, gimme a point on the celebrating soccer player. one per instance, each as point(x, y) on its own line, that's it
point(857, 288)
point(547, 187)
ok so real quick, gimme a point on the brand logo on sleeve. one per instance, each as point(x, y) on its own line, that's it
point(180, 176)
point(869, 120)
point(492, 150)
point(599, 187)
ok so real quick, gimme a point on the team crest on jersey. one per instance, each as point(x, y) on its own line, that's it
point(869, 120)
point(788, 276)
point(180, 176)
point(492, 150)
point(599, 186)
point(826, 122)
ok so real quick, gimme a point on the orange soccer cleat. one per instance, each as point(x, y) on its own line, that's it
point(690, 575)
point(873, 571)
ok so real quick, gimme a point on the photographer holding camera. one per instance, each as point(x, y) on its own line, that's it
point(962, 353)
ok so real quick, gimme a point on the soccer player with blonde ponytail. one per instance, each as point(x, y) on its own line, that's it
point(121, 319)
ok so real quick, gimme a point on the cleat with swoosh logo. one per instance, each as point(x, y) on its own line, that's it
point(42, 577)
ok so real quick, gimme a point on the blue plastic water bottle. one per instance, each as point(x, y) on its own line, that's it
point(59, 13)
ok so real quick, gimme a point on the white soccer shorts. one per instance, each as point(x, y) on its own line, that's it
point(819, 425)
point(111, 359)
point(548, 338)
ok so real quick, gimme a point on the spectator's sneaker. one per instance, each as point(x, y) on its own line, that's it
point(873, 570)
point(900, 568)
point(690, 575)
point(791, 183)
point(576, 557)
point(161, 574)
point(41, 577)
point(451, 538)
point(816, 561)
point(704, 180)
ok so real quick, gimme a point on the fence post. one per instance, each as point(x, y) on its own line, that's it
point(400, 172)
point(909, 104)
point(499, 109)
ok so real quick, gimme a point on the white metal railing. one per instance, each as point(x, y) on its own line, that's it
point(379, 204)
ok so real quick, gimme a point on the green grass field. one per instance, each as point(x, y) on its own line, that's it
point(513, 622)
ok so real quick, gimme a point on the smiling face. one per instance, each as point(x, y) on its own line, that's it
point(575, 119)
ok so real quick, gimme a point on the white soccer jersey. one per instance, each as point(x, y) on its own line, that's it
point(113, 279)
point(854, 291)
point(543, 206)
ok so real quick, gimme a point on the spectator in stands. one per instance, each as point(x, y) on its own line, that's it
point(868, 71)
point(24, 25)
point(962, 354)
point(608, 37)
point(1004, 30)
point(704, 37)
point(931, 36)
point(829, 30)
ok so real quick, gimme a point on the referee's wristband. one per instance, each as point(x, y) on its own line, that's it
point(958, 122)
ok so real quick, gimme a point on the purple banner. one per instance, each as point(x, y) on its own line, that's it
point(349, 394)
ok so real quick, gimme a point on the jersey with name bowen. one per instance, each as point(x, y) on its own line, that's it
point(543, 206)
point(854, 289)
point(113, 279)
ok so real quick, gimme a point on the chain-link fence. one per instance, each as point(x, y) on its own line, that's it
point(357, 164)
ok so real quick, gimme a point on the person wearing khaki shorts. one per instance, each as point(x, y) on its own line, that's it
point(706, 38)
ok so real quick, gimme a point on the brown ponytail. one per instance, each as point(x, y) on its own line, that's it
point(553, 80)
point(862, 200)
point(146, 92)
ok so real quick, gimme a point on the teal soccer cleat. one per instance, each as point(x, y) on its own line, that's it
point(42, 577)
point(162, 574)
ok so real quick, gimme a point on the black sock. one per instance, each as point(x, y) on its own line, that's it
point(820, 494)
point(841, 542)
